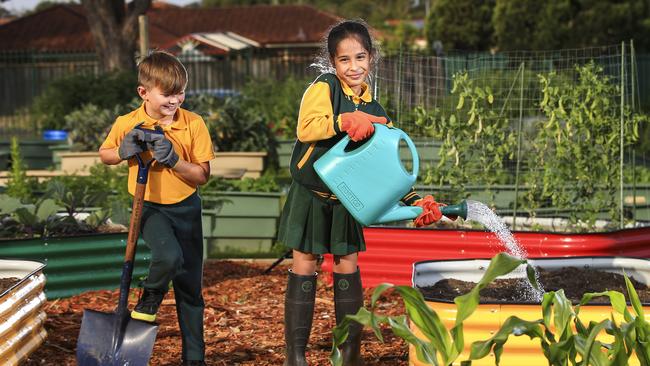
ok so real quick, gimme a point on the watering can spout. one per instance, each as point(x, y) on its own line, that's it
point(398, 213)
point(459, 210)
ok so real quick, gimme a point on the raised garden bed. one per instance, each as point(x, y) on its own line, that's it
point(21, 309)
point(505, 298)
point(244, 227)
point(79, 263)
point(391, 251)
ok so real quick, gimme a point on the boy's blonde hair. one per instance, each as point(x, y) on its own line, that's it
point(163, 70)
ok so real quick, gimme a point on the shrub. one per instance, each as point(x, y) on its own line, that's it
point(278, 102)
point(89, 125)
point(63, 96)
point(235, 127)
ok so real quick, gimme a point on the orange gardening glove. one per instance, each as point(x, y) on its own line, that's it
point(430, 211)
point(358, 125)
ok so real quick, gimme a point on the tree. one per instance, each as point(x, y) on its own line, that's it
point(531, 24)
point(599, 22)
point(540, 25)
point(461, 24)
point(114, 27)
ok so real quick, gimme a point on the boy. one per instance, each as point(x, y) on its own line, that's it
point(171, 217)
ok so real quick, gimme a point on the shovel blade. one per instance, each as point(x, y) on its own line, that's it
point(111, 339)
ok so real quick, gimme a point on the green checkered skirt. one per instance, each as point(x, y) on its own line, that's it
point(312, 224)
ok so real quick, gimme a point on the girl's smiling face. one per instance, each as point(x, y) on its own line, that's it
point(352, 63)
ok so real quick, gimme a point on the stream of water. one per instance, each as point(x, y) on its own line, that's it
point(479, 212)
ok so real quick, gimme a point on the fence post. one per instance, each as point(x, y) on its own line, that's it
point(519, 129)
point(622, 111)
point(632, 94)
point(143, 24)
point(399, 85)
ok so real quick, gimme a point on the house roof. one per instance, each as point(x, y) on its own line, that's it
point(63, 27)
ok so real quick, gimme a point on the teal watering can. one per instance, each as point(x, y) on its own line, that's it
point(370, 180)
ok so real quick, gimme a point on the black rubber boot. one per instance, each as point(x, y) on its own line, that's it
point(298, 316)
point(348, 299)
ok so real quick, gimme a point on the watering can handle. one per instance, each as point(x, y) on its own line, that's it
point(414, 154)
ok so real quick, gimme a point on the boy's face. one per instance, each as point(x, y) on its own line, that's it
point(352, 63)
point(159, 105)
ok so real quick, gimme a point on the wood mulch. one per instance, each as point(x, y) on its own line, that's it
point(243, 322)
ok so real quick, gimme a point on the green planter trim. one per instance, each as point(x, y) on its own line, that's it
point(79, 263)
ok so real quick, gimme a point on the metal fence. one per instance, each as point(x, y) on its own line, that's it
point(417, 91)
point(404, 82)
point(24, 75)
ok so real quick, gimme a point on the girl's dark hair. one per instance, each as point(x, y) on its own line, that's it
point(338, 32)
point(346, 29)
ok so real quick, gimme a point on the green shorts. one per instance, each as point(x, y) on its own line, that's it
point(316, 225)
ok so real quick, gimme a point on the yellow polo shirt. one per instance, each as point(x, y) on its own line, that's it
point(191, 140)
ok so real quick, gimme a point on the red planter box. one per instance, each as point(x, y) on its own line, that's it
point(391, 252)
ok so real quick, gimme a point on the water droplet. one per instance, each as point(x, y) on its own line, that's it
point(479, 212)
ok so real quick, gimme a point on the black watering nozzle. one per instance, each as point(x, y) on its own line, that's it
point(459, 210)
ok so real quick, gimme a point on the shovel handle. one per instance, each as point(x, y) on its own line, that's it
point(134, 231)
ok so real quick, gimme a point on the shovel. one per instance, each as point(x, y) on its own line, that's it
point(114, 339)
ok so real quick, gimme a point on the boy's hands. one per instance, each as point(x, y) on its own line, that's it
point(163, 151)
point(358, 124)
point(430, 211)
point(132, 144)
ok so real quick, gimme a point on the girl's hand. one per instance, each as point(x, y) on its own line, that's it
point(430, 211)
point(358, 125)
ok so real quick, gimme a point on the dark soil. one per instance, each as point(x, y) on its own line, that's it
point(574, 281)
point(6, 283)
point(243, 322)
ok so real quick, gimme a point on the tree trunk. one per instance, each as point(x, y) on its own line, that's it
point(114, 27)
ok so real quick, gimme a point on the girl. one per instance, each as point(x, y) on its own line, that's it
point(313, 221)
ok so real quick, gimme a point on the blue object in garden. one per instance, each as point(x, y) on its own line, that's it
point(55, 135)
point(371, 179)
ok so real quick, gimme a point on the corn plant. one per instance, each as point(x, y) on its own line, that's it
point(441, 346)
point(564, 338)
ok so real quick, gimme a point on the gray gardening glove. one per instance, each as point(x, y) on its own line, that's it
point(163, 151)
point(132, 144)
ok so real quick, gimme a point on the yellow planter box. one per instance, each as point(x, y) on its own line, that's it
point(78, 162)
point(488, 318)
point(238, 164)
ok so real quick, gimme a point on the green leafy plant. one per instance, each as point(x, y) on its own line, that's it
point(233, 127)
point(477, 139)
point(27, 220)
point(575, 151)
point(278, 102)
point(63, 96)
point(19, 184)
point(440, 346)
point(564, 338)
point(74, 198)
point(89, 125)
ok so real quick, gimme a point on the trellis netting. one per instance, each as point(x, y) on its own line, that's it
point(549, 139)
